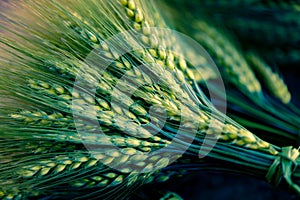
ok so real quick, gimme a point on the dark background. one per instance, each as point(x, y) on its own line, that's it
point(215, 186)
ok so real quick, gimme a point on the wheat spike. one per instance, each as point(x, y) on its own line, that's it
point(271, 79)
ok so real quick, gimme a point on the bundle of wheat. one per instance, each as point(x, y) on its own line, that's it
point(87, 112)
